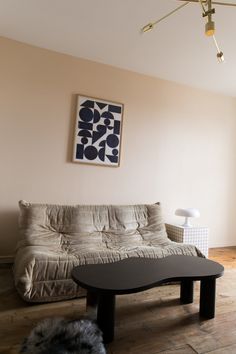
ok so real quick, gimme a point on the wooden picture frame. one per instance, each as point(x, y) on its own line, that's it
point(98, 131)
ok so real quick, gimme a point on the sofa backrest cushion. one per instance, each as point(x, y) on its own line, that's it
point(49, 222)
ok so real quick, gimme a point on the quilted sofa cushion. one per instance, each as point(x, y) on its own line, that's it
point(55, 238)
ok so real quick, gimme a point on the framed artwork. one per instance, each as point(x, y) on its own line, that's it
point(98, 131)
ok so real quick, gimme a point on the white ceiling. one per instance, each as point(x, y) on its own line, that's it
point(108, 31)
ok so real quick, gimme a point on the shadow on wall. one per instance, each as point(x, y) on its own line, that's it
point(9, 234)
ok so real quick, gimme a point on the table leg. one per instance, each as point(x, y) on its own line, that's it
point(207, 298)
point(91, 304)
point(106, 316)
point(186, 291)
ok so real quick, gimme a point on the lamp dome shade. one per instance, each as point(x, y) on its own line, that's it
point(188, 212)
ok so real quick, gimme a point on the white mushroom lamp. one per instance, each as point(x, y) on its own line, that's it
point(187, 213)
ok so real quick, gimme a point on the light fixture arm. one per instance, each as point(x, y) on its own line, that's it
point(220, 54)
point(210, 26)
point(202, 6)
point(150, 25)
point(214, 2)
point(208, 11)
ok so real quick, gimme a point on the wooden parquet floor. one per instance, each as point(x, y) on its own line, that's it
point(149, 322)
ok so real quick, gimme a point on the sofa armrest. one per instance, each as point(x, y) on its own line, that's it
point(171, 233)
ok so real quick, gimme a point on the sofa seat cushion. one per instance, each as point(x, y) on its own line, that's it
point(57, 238)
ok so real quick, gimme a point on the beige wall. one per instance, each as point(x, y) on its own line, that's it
point(178, 143)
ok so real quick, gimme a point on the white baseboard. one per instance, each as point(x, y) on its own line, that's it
point(6, 259)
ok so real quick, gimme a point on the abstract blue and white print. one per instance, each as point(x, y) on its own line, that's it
point(98, 131)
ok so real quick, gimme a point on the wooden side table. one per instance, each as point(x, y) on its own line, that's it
point(197, 236)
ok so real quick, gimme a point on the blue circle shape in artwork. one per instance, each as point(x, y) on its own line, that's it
point(112, 140)
point(84, 140)
point(86, 114)
point(115, 152)
point(107, 121)
point(91, 153)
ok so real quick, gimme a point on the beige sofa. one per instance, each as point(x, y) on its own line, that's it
point(56, 238)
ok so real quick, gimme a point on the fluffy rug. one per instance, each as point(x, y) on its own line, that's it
point(60, 336)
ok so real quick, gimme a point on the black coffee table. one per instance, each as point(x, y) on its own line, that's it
point(131, 275)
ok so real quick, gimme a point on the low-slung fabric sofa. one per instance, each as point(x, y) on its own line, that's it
point(56, 238)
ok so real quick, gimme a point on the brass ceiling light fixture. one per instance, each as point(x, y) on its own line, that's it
point(207, 12)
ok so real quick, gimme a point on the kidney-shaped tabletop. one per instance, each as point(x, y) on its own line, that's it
point(137, 274)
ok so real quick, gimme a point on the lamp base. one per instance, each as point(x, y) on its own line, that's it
point(186, 222)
